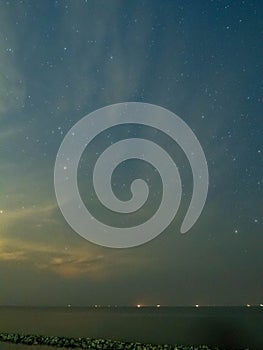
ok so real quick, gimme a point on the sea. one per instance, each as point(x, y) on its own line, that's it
point(225, 327)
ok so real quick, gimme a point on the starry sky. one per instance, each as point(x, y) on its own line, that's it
point(59, 61)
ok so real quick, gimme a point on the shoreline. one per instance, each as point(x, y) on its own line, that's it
point(92, 344)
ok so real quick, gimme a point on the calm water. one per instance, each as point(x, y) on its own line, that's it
point(230, 327)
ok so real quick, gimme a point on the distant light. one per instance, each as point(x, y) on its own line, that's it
point(138, 306)
point(248, 305)
point(69, 305)
point(196, 305)
point(261, 305)
point(158, 305)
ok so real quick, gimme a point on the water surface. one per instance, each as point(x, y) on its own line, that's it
point(230, 327)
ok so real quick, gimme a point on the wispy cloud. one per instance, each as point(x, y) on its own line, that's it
point(12, 90)
point(42, 213)
point(63, 261)
point(70, 261)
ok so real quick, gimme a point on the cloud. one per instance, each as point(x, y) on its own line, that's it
point(62, 255)
point(6, 134)
point(108, 68)
point(12, 90)
point(67, 261)
point(63, 261)
point(11, 217)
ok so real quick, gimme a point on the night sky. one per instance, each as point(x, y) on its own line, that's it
point(61, 60)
